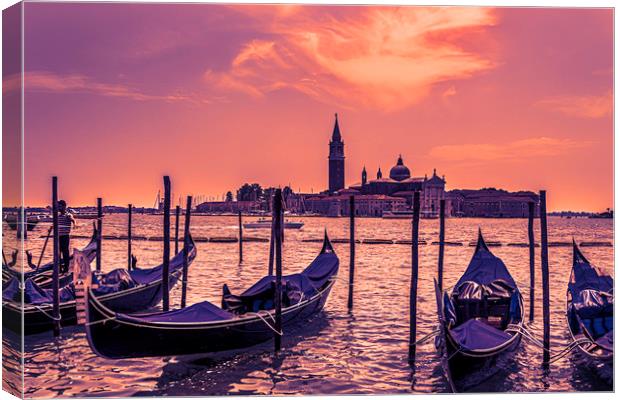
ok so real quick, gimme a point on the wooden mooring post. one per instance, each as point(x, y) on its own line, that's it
point(351, 250)
point(413, 291)
point(166, 265)
point(277, 217)
point(99, 233)
point(442, 240)
point(186, 241)
point(240, 239)
point(544, 261)
point(177, 214)
point(129, 207)
point(55, 282)
point(271, 244)
point(532, 244)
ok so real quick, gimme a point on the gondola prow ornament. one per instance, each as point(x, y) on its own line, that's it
point(82, 277)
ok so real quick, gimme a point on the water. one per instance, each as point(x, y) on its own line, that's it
point(339, 352)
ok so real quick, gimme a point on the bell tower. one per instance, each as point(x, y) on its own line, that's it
point(336, 160)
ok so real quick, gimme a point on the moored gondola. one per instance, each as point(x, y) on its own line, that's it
point(42, 276)
point(590, 313)
point(480, 320)
point(119, 290)
point(243, 320)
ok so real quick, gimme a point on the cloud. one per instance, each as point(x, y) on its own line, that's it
point(42, 81)
point(384, 58)
point(512, 151)
point(580, 106)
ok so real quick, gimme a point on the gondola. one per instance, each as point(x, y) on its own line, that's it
point(590, 313)
point(120, 290)
point(31, 222)
point(42, 276)
point(480, 320)
point(243, 320)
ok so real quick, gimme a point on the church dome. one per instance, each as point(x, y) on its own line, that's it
point(400, 172)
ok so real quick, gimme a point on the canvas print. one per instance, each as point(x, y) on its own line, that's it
point(298, 199)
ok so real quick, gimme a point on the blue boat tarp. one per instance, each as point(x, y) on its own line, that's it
point(591, 289)
point(145, 276)
point(587, 276)
point(296, 287)
point(199, 312)
point(111, 282)
point(607, 341)
point(477, 335)
point(485, 276)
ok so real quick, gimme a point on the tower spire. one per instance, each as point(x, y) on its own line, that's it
point(336, 134)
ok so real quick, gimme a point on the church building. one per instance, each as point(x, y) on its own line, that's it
point(393, 193)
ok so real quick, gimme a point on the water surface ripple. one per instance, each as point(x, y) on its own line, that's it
point(339, 352)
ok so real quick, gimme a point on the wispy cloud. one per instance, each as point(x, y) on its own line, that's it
point(580, 106)
point(42, 81)
point(511, 151)
point(385, 58)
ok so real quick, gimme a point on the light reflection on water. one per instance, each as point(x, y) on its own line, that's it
point(338, 352)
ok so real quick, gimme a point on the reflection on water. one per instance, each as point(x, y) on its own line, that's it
point(362, 351)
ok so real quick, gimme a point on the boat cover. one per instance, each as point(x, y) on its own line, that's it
point(199, 312)
point(111, 282)
point(148, 275)
point(256, 298)
point(486, 275)
point(477, 335)
point(295, 287)
point(587, 276)
point(607, 341)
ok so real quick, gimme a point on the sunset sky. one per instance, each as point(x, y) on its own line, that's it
point(118, 95)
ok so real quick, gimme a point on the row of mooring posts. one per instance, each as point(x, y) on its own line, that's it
point(440, 262)
point(54, 233)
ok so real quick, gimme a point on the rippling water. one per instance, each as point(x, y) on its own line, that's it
point(339, 352)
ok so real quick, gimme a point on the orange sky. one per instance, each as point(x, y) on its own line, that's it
point(118, 95)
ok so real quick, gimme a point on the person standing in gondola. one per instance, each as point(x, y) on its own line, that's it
point(65, 222)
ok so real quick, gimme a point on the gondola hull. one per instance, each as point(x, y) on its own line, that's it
point(111, 338)
point(466, 371)
point(38, 319)
point(480, 322)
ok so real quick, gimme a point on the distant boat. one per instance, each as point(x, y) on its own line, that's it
point(397, 215)
point(609, 214)
point(265, 223)
point(13, 222)
point(407, 214)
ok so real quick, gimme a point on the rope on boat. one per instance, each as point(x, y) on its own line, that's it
point(554, 356)
point(47, 314)
point(525, 333)
point(101, 321)
point(268, 324)
point(426, 338)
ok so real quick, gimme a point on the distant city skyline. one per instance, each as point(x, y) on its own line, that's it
point(118, 95)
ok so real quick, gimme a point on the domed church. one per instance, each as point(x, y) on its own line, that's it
point(400, 183)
